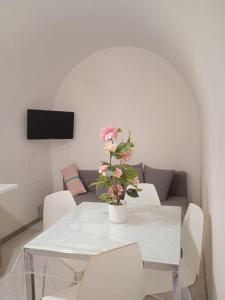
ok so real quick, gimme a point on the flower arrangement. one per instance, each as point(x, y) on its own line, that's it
point(115, 178)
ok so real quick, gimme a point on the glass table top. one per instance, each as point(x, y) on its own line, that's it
point(87, 231)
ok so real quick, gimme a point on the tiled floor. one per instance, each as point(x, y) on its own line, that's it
point(12, 287)
point(11, 249)
point(9, 286)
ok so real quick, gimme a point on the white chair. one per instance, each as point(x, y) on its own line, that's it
point(113, 275)
point(56, 206)
point(157, 282)
point(148, 196)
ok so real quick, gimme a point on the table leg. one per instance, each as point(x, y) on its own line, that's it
point(177, 286)
point(29, 275)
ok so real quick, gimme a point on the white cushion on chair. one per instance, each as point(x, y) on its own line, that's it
point(67, 294)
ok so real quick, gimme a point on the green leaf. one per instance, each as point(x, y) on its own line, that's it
point(105, 197)
point(111, 168)
point(122, 147)
point(101, 180)
point(104, 163)
point(112, 202)
point(132, 193)
point(93, 183)
point(129, 173)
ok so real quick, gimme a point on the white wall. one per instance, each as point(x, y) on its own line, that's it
point(134, 89)
point(198, 52)
point(24, 162)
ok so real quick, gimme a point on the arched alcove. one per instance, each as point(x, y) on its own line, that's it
point(135, 89)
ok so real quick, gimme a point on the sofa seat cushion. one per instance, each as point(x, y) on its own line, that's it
point(87, 197)
point(177, 201)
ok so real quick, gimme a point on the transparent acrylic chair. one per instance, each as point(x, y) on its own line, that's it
point(57, 205)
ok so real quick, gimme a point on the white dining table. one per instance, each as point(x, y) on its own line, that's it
point(86, 231)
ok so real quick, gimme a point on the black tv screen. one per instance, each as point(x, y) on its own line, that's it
point(49, 124)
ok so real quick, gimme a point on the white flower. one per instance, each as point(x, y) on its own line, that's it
point(110, 147)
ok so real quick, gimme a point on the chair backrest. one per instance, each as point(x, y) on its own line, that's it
point(192, 243)
point(114, 275)
point(56, 206)
point(148, 196)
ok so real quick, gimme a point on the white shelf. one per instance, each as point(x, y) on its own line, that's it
point(4, 187)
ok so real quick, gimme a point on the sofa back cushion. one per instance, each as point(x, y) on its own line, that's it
point(161, 179)
point(178, 185)
point(139, 169)
point(88, 177)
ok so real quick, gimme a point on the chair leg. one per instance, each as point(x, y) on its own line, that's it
point(44, 282)
point(76, 275)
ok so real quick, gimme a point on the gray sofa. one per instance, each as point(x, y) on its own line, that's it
point(177, 193)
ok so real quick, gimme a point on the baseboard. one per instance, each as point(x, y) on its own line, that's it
point(19, 230)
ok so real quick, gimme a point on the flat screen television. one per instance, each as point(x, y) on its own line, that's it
point(49, 124)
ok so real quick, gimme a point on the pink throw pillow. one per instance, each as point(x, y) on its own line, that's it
point(72, 180)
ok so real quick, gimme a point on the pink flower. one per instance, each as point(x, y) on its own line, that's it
point(110, 192)
point(108, 133)
point(117, 173)
point(119, 190)
point(126, 156)
point(102, 169)
point(135, 181)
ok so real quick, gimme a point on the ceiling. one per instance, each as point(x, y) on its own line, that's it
point(41, 40)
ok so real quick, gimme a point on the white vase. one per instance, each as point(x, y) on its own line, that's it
point(117, 213)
